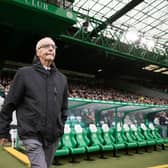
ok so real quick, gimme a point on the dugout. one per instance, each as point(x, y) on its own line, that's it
point(110, 112)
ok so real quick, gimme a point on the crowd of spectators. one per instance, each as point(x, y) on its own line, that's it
point(95, 91)
point(100, 93)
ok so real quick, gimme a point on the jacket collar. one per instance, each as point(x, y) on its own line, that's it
point(39, 67)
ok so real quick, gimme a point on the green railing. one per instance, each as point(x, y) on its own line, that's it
point(112, 44)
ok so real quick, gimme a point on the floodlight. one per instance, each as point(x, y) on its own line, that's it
point(132, 35)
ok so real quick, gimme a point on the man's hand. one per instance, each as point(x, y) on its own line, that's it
point(4, 142)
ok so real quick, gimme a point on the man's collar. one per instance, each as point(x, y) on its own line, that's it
point(46, 68)
point(38, 65)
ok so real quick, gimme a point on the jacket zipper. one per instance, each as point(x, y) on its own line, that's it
point(46, 100)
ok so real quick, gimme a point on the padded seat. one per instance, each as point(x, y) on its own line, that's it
point(95, 140)
point(139, 137)
point(61, 150)
point(83, 141)
point(155, 134)
point(130, 142)
point(68, 141)
point(148, 137)
point(119, 141)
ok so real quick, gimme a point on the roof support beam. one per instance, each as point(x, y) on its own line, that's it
point(116, 16)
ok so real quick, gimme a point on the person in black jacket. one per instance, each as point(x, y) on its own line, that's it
point(163, 120)
point(39, 94)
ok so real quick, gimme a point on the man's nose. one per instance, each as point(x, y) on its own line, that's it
point(50, 47)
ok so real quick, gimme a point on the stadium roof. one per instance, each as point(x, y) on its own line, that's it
point(148, 18)
point(103, 48)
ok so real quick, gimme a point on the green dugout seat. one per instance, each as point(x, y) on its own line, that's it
point(100, 135)
point(117, 136)
point(69, 142)
point(166, 140)
point(108, 138)
point(61, 150)
point(148, 136)
point(119, 141)
point(117, 146)
point(129, 139)
point(140, 139)
point(83, 141)
point(93, 135)
point(156, 136)
point(140, 133)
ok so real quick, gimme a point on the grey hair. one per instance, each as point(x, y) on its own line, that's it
point(39, 42)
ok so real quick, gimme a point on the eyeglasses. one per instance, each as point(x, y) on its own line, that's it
point(47, 46)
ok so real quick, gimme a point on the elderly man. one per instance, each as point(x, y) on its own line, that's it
point(39, 96)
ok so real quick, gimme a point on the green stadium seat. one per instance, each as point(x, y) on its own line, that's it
point(100, 134)
point(61, 150)
point(95, 140)
point(148, 137)
point(117, 137)
point(107, 137)
point(138, 136)
point(68, 141)
point(129, 140)
point(156, 136)
point(83, 141)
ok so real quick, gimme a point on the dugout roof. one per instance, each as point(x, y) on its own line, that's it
point(78, 105)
